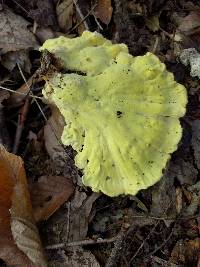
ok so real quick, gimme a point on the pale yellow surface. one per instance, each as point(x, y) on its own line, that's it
point(122, 115)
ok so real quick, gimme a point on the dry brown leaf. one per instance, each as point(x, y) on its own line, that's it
point(48, 194)
point(14, 34)
point(3, 95)
point(103, 11)
point(190, 24)
point(80, 208)
point(10, 59)
point(44, 34)
point(186, 252)
point(76, 257)
point(64, 12)
point(188, 31)
point(164, 196)
point(52, 134)
point(17, 99)
point(19, 239)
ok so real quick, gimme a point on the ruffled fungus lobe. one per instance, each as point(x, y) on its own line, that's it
point(121, 112)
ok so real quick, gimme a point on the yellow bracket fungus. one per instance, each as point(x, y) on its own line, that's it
point(121, 112)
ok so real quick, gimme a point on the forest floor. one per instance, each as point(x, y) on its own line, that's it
point(160, 226)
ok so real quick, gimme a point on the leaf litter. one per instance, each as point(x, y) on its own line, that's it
point(161, 223)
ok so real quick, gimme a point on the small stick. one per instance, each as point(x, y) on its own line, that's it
point(20, 93)
point(117, 250)
point(20, 125)
point(81, 14)
point(82, 243)
point(82, 19)
point(161, 246)
point(22, 116)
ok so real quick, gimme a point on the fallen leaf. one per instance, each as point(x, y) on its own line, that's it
point(43, 12)
point(186, 252)
point(188, 30)
point(103, 11)
point(190, 24)
point(14, 34)
point(70, 223)
point(17, 99)
point(48, 194)
point(3, 95)
point(80, 211)
point(19, 239)
point(77, 257)
point(164, 196)
point(52, 134)
point(44, 34)
point(15, 40)
point(195, 200)
point(64, 12)
point(10, 59)
point(184, 171)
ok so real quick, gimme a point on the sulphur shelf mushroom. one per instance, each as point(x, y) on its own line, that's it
point(121, 112)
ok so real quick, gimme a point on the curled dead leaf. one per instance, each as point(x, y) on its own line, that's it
point(16, 40)
point(186, 252)
point(52, 134)
point(14, 34)
point(103, 11)
point(190, 24)
point(20, 243)
point(48, 194)
point(64, 12)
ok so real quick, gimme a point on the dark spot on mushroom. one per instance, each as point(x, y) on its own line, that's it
point(108, 178)
point(88, 59)
point(119, 114)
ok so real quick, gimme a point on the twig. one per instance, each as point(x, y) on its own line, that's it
point(97, 22)
point(83, 19)
point(21, 7)
point(144, 241)
point(20, 93)
point(165, 218)
point(117, 250)
point(22, 74)
point(19, 131)
point(20, 125)
point(82, 243)
point(163, 262)
point(149, 234)
point(161, 245)
point(22, 116)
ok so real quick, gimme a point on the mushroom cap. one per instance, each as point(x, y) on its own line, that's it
point(122, 112)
